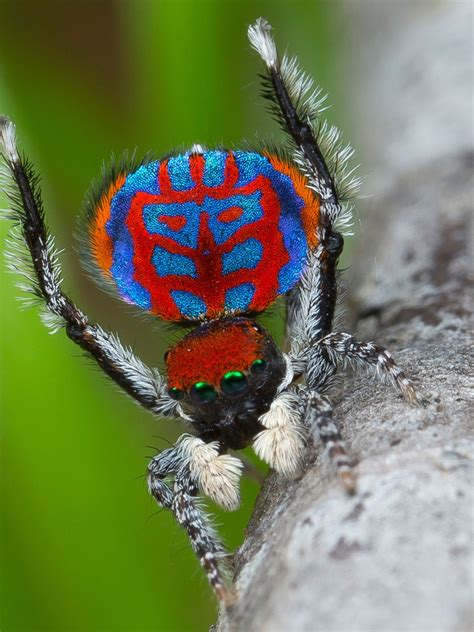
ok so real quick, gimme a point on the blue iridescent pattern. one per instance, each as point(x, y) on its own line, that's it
point(249, 205)
point(153, 215)
point(179, 173)
point(166, 263)
point(189, 304)
point(251, 211)
point(238, 298)
point(214, 168)
point(145, 178)
point(248, 254)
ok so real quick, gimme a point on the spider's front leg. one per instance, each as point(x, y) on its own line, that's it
point(41, 277)
point(198, 466)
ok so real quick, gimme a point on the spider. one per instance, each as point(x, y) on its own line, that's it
point(210, 239)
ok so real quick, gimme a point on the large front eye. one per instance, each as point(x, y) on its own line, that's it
point(203, 393)
point(234, 383)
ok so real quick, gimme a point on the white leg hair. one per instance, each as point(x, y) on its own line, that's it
point(217, 475)
point(282, 443)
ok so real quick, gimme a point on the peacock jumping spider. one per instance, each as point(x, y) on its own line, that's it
point(211, 238)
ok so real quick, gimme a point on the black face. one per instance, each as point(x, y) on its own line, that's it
point(228, 410)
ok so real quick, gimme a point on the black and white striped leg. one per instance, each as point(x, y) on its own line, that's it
point(344, 347)
point(319, 416)
point(180, 498)
point(40, 274)
point(287, 90)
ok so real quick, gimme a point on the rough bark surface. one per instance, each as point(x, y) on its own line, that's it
point(398, 555)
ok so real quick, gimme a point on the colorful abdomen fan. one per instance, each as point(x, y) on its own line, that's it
point(200, 236)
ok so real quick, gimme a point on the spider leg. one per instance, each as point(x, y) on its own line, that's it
point(311, 313)
point(42, 273)
point(319, 416)
point(324, 160)
point(193, 465)
point(284, 87)
point(297, 106)
point(344, 347)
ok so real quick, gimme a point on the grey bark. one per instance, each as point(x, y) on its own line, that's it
point(398, 555)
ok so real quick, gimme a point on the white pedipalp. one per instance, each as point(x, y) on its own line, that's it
point(217, 475)
point(283, 441)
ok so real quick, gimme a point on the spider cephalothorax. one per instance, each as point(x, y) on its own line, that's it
point(225, 374)
point(211, 238)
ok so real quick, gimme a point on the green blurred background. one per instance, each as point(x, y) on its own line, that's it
point(82, 545)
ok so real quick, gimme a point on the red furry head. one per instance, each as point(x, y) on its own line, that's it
point(214, 350)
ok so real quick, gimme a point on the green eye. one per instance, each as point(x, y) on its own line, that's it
point(203, 393)
point(234, 383)
point(175, 393)
point(258, 366)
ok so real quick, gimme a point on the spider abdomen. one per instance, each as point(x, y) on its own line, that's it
point(202, 235)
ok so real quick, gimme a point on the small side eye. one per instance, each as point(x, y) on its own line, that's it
point(175, 393)
point(203, 393)
point(234, 383)
point(258, 366)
